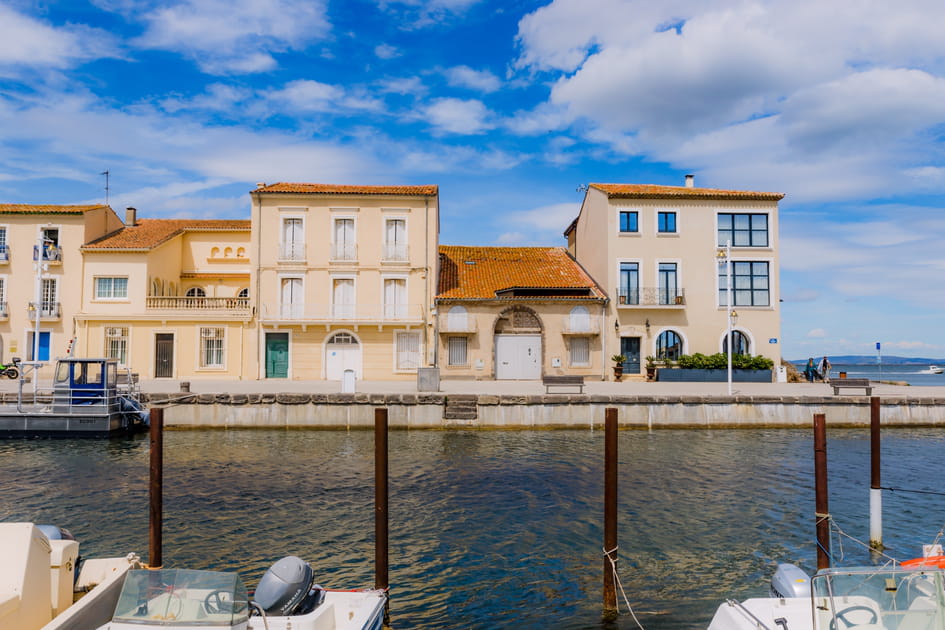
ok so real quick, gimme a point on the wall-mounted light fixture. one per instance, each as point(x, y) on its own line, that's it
point(647, 324)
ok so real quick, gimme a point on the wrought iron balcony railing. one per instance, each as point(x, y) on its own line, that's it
point(394, 253)
point(47, 310)
point(51, 253)
point(292, 252)
point(651, 296)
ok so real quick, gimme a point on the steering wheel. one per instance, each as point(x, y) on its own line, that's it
point(218, 602)
point(842, 616)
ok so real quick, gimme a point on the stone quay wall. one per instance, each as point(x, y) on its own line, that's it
point(449, 411)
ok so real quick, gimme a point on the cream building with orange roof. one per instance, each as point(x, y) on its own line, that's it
point(169, 298)
point(63, 230)
point(517, 313)
point(345, 278)
point(661, 252)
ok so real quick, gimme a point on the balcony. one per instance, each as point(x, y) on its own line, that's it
point(198, 304)
point(394, 253)
point(345, 252)
point(650, 297)
point(47, 310)
point(577, 326)
point(291, 252)
point(327, 314)
point(52, 254)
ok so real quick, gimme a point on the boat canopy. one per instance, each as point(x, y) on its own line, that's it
point(86, 373)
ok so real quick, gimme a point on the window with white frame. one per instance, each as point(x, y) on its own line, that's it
point(292, 302)
point(111, 288)
point(395, 239)
point(395, 298)
point(50, 304)
point(408, 350)
point(580, 351)
point(3, 297)
point(211, 347)
point(4, 252)
point(343, 301)
point(456, 350)
point(196, 292)
point(116, 344)
point(343, 246)
point(293, 239)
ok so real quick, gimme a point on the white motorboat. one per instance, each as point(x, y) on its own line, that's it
point(934, 369)
point(287, 598)
point(44, 586)
point(861, 598)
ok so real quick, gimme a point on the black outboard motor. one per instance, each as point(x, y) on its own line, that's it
point(288, 588)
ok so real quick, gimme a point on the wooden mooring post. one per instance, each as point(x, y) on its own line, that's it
point(156, 489)
point(381, 518)
point(610, 512)
point(821, 507)
point(876, 491)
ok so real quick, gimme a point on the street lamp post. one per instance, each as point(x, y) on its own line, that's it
point(725, 256)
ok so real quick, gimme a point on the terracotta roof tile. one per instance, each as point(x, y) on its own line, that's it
point(24, 208)
point(149, 233)
point(480, 272)
point(650, 191)
point(332, 189)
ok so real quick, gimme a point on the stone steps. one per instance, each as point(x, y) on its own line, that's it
point(461, 407)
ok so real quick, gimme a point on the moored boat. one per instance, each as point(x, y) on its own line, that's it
point(858, 598)
point(934, 369)
point(44, 584)
point(86, 401)
point(287, 598)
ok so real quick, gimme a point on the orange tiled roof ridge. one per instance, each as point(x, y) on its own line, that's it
point(653, 191)
point(338, 189)
point(27, 208)
point(149, 233)
point(500, 268)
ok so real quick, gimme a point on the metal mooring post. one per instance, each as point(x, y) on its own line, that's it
point(156, 488)
point(876, 492)
point(821, 508)
point(610, 512)
point(381, 519)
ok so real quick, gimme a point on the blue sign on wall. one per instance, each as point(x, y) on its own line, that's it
point(773, 340)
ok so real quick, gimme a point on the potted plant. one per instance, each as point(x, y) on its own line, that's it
point(618, 360)
point(651, 368)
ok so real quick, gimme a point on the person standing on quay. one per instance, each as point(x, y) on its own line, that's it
point(824, 369)
point(810, 370)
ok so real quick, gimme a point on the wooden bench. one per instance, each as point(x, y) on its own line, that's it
point(565, 380)
point(851, 383)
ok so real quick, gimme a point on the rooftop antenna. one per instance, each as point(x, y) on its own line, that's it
point(105, 173)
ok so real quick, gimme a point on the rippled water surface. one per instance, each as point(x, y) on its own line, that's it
point(489, 529)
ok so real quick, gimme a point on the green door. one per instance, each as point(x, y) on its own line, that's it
point(277, 355)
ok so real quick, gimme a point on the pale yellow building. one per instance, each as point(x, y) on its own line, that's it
point(57, 295)
point(660, 253)
point(345, 278)
point(517, 313)
point(169, 298)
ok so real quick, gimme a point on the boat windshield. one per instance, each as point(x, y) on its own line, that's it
point(174, 597)
point(878, 598)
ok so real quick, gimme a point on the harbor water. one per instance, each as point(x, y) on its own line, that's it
point(489, 529)
point(919, 375)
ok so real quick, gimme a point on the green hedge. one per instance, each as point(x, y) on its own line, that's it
point(719, 361)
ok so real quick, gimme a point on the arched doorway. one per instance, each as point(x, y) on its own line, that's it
point(342, 352)
point(518, 347)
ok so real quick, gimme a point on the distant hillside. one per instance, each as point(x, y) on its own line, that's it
point(865, 359)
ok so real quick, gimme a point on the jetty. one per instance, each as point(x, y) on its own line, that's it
point(462, 404)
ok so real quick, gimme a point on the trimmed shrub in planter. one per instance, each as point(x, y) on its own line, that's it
point(714, 369)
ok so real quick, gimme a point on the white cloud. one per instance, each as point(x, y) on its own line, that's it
point(386, 51)
point(458, 116)
point(478, 80)
point(816, 333)
point(305, 95)
point(234, 36)
point(30, 43)
point(419, 14)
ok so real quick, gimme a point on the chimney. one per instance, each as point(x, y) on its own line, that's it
point(260, 184)
point(690, 181)
point(131, 217)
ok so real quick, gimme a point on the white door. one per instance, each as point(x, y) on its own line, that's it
point(342, 352)
point(518, 357)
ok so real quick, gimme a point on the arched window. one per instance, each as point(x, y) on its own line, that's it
point(196, 292)
point(739, 343)
point(457, 318)
point(668, 345)
point(344, 339)
point(580, 320)
point(244, 293)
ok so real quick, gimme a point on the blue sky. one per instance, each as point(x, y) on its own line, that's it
point(509, 107)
